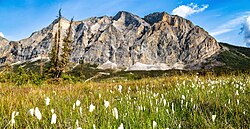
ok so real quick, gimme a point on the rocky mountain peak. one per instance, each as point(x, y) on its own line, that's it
point(159, 40)
point(156, 17)
point(127, 18)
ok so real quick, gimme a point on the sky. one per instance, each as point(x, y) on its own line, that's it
point(227, 20)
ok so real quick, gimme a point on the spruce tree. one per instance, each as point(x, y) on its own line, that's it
point(66, 50)
point(59, 63)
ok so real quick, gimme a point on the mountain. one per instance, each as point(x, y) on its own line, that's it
point(157, 41)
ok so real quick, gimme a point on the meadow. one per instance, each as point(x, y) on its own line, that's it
point(155, 102)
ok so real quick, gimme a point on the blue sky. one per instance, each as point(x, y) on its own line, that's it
point(224, 19)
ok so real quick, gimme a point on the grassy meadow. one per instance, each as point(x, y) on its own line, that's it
point(156, 102)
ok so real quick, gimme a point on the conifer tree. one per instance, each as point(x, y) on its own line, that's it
point(66, 50)
point(59, 58)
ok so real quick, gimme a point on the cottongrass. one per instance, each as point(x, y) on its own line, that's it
point(32, 111)
point(78, 103)
point(121, 126)
point(91, 108)
point(13, 115)
point(115, 113)
point(53, 118)
point(154, 124)
point(38, 114)
point(47, 101)
point(106, 104)
point(213, 117)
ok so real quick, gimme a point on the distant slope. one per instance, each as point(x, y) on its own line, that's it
point(234, 57)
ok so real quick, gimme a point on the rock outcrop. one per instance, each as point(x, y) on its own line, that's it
point(124, 40)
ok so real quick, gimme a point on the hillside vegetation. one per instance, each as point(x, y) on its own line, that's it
point(235, 57)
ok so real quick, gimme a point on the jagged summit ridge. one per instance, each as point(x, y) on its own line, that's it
point(125, 39)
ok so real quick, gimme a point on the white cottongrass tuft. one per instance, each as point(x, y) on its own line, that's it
point(13, 115)
point(38, 114)
point(53, 119)
point(94, 126)
point(154, 124)
point(32, 111)
point(47, 100)
point(183, 97)
point(237, 93)
point(77, 123)
point(164, 102)
point(78, 103)
point(213, 117)
point(173, 108)
point(106, 104)
point(120, 88)
point(121, 126)
point(115, 113)
point(91, 108)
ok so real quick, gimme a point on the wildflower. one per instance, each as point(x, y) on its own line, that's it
point(77, 123)
point(91, 108)
point(115, 113)
point(164, 102)
point(213, 117)
point(31, 111)
point(38, 114)
point(47, 100)
point(179, 126)
point(183, 97)
point(237, 92)
point(173, 107)
point(120, 88)
point(53, 119)
point(129, 89)
point(106, 103)
point(121, 126)
point(78, 103)
point(13, 115)
point(154, 124)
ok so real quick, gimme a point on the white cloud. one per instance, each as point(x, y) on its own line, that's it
point(1, 34)
point(187, 10)
point(246, 31)
point(229, 26)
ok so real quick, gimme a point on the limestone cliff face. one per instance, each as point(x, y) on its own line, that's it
point(124, 39)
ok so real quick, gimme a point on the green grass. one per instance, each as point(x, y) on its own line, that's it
point(150, 99)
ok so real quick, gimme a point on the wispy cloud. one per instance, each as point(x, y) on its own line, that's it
point(1, 34)
point(231, 25)
point(187, 10)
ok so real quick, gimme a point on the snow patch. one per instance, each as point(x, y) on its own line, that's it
point(108, 65)
point(141, 67)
